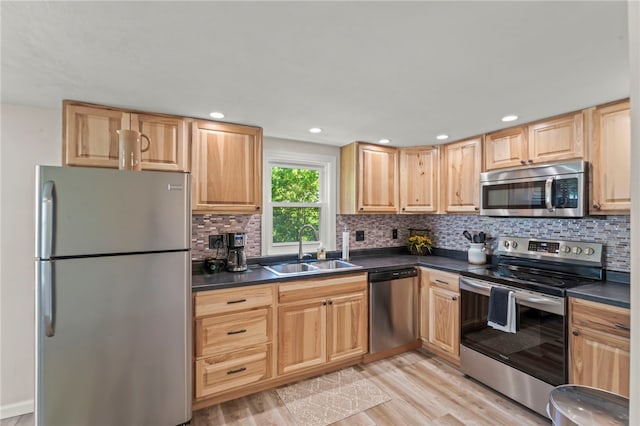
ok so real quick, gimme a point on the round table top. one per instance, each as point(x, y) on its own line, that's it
point(584, 405)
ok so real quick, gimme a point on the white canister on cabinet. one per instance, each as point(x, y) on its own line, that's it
point(477, 254)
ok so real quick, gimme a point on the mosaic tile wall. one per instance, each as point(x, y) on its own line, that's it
point(445, 230)
point(205, 225)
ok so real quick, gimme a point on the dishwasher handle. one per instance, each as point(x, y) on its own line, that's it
point(395, 274)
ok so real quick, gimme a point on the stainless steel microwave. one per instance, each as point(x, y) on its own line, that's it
point(551, 190)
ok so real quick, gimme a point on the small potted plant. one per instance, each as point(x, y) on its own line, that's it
point(419, 244)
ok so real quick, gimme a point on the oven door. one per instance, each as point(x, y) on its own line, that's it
point(538, 347)
point(554, 196)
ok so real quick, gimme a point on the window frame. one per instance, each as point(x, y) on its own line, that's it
point(326, 165)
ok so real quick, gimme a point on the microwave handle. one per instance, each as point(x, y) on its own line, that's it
point(547, 194)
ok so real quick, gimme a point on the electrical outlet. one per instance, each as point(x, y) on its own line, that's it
point(216, 241)
point(394, 234)
point(359, 235)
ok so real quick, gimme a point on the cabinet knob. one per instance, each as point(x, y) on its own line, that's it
point(361, 208)
point(324, 303)
point(257, 207)
point(454, 298)
point(476, 208)
point(331, 302)
point(575, 333)
point(596, 205)
point(403, 209)
point(530, 161)
point(523, 162)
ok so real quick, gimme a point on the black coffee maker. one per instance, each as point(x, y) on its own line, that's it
point(236, 258)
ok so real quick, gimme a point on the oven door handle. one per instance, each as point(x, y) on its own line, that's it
point(536, 300)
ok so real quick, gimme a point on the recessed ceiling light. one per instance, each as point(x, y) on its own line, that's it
point(442, 137)
point(384, 141)
point(315, 130)
point(217, 115)
point(509, 118)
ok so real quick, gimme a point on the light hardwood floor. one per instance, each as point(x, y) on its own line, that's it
point(424, 390)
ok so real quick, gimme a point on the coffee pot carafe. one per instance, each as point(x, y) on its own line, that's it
point(236, 258)
point(130, 149)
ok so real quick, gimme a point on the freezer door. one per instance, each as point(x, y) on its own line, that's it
point(119, 350)
point(88, 211)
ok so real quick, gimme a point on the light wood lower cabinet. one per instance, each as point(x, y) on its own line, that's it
point(321, 321)
point(599, 346)
point(233, 339)
point(440, 313)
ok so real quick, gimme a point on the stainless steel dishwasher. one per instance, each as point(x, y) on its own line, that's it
point(393, 309)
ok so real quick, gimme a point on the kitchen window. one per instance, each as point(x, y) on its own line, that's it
point(299, 189)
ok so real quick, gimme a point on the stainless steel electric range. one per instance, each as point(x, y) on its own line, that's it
point(528, 364)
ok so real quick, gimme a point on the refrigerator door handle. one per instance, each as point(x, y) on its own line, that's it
point(46, 219)
point(47, 290)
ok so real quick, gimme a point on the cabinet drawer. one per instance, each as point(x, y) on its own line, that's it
point(233, 299)
point(233, 331)
point(231, 370)
point(445, 280)
point(600, 317)
point(317, 288)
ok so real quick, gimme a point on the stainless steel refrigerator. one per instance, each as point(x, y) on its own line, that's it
point(113, 297)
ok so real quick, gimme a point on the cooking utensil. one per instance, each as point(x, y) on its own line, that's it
point(482, 236)
point(467, 235)
point(475, 238)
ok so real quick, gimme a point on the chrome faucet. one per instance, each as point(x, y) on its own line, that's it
point(315, 232)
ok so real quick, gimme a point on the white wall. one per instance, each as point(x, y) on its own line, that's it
point(634, 50)
point(29, 136)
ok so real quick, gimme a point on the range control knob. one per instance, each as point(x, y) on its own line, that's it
point(577, 250)
point(514, 244)
point(565, 249)
point(506, 243)
point(589, 251)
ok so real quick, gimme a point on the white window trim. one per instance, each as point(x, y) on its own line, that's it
point(327, 165)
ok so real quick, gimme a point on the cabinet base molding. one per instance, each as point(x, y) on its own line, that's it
point(273, 383)
point(391, 352)
point(435, 350)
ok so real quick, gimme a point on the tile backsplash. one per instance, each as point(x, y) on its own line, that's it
point(445, 230)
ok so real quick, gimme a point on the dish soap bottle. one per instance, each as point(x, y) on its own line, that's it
point(322, 253)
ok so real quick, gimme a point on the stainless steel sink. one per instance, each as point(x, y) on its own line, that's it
point(306, 268)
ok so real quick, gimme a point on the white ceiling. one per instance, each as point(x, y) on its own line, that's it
point(406, 71)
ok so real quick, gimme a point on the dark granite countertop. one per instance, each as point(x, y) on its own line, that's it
point(258, 275)
point(607, 292)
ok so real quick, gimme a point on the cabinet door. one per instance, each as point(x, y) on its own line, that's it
point(89, 135)
point(557, 139)
point(377, 179)
point(227, 168)
point(347, 326)
point(462, 168)
point(301, 336)
point(419, 175)
point(444, 320)
point(609, 155)
point(599, 360)
point(506, 148)
point(424, 304)
point(169, 142)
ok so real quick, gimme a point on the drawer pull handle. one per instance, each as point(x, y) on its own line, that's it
point(442, 282)
point(622, 326)
point(239, 370)
point(229, 333)
point(231, 302)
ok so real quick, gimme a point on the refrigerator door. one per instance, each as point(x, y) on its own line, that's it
point(89, 211)
point(119, 351)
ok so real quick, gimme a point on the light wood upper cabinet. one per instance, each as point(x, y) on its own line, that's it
point(368, 179)
point(552, 140)
point(505, 148)
point(90, 137)
point(609, 153)
point(321, 321)
point(169, 136)
point(227, 168)
point(461, 176)
point(419, 179)
point(599, 346)
point(556, 139)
